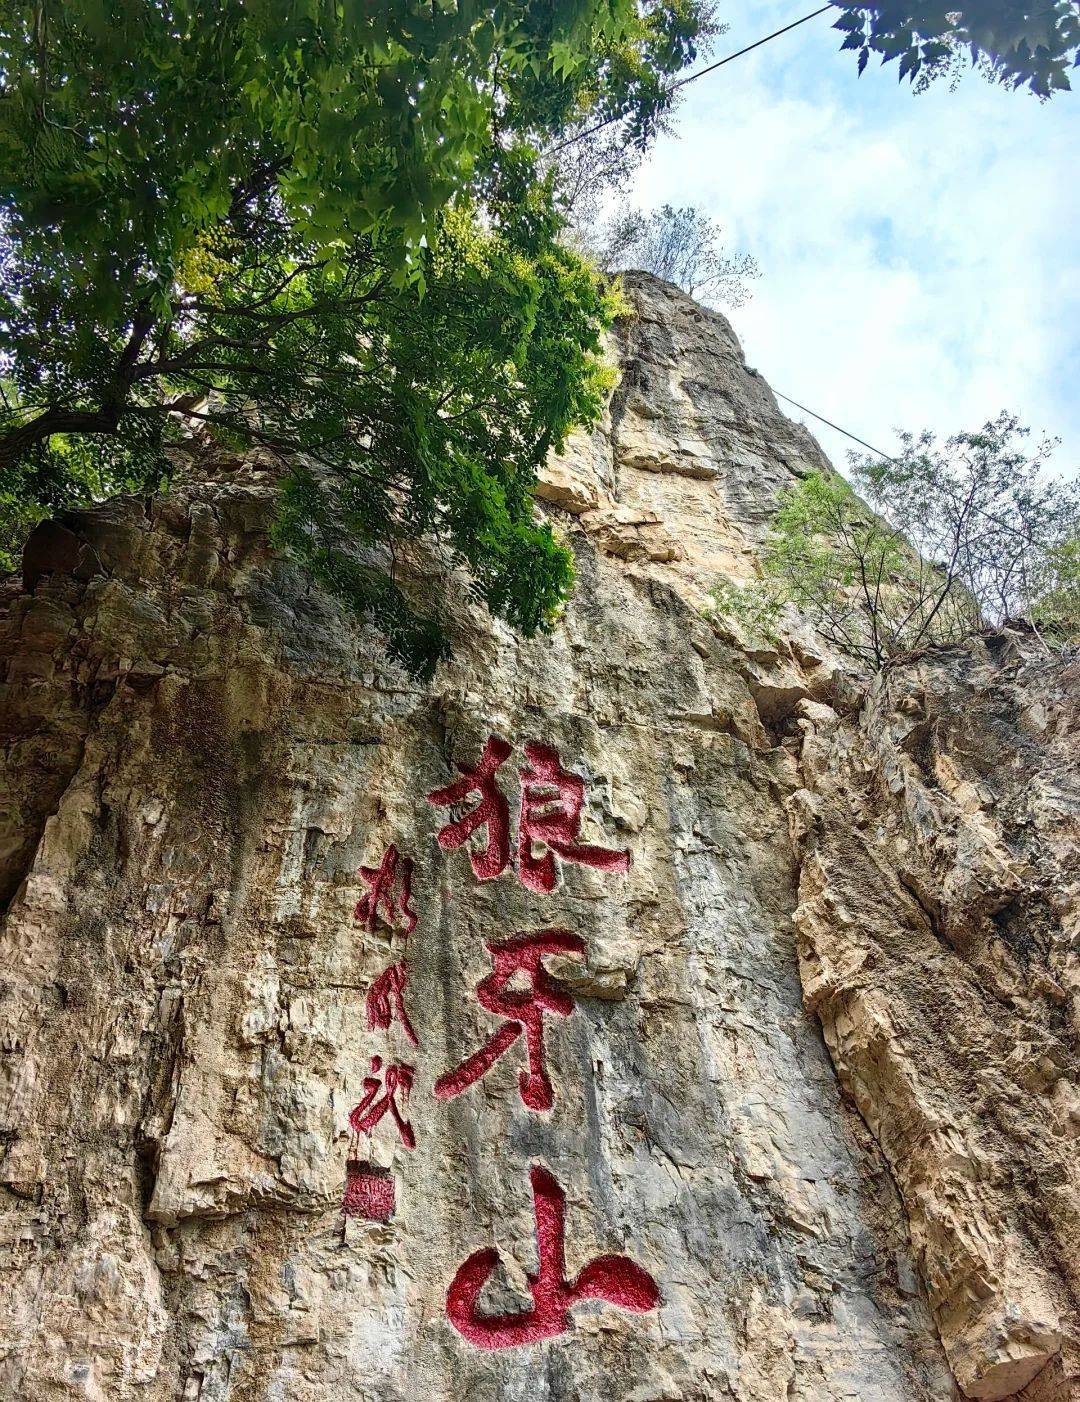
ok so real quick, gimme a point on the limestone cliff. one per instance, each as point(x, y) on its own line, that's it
point(201, 751)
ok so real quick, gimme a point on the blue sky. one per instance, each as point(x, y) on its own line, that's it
point(918, 252)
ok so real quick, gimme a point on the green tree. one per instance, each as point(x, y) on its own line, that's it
point(944, 540)
point(981, 506)
point(318, 227)
point(856, 577)
point(1012, 42)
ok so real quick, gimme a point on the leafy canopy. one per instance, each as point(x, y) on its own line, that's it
point(1013, 42)
point(981, 507)
point(317, 226)
point(128, 127)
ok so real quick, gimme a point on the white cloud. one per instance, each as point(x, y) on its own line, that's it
point(917, 252)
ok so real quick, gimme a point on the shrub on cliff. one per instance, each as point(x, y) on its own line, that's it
point(321, 229)
point(682, 246)
point(962, 535)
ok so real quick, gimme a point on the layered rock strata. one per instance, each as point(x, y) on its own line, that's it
point(201, 750)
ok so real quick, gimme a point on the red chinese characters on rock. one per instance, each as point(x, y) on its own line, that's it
point(385, 1001)
point(492, 812)
point(615, 1279)
point(551, 804)
point(520, 991)
point(523, 1010)
point(552, 800)
point(370, 1192)
point(391, 888)
point(396, 1079)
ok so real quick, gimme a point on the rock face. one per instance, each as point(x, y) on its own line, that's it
point(202, 750)
point(937, 927)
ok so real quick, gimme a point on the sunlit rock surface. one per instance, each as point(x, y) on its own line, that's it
point(200, 751)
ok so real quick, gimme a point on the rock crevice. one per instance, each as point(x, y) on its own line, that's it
point(817, 1071)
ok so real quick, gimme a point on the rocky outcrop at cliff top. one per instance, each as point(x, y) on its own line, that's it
point(605, 1151)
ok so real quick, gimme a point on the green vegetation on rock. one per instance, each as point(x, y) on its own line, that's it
point(319, 228)
point(944, 541)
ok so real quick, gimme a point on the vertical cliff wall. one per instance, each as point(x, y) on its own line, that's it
point(605, 1151)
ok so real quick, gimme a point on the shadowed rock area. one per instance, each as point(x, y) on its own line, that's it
point(818, 1076)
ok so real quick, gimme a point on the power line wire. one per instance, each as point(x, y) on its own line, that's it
point(978, 510)
point(821, 419)
point(690, 78)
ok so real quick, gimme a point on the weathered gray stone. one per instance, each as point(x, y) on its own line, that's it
point(201, 749)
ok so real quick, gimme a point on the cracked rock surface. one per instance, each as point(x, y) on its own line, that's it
point(819, 1078)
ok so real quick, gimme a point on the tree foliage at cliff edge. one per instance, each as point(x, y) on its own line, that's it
point(319, 228)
